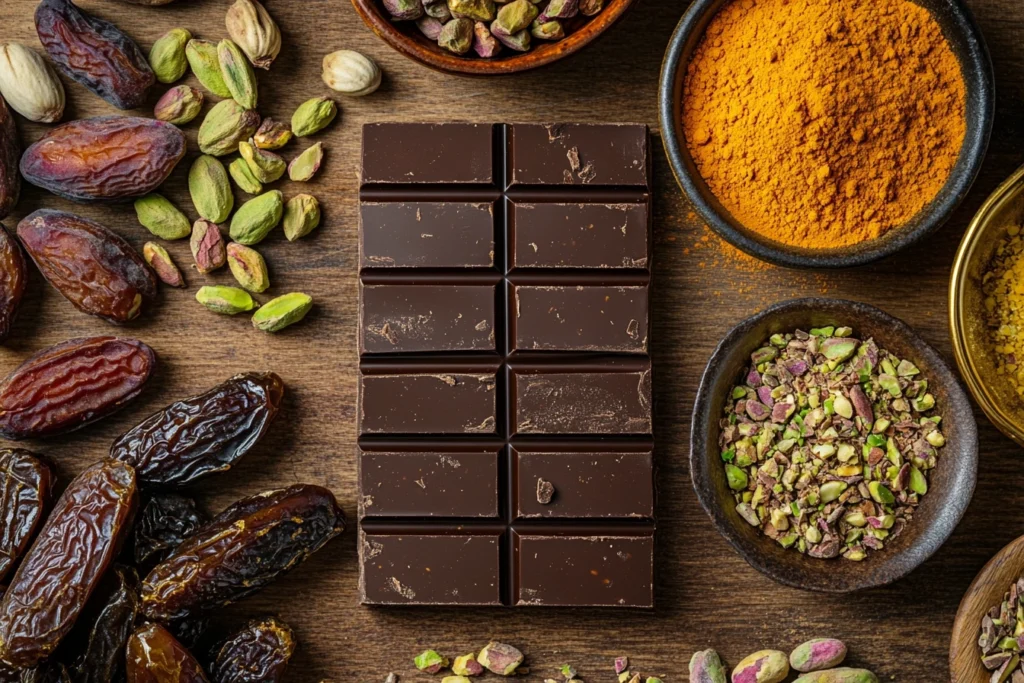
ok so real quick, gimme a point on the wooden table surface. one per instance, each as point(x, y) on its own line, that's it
point(707, 596)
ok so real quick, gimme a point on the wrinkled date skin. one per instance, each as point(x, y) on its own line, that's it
point(47, 672)
point(164, 522)
point(108, 630)
point(64, 566)
point(27, 484)
point(92, 267)
point(95, 53)
point(71, 385)
point(107, 159)
point(242, 550)
point(203, 434)
point(13, 277)
point(154, 656)
point(10, 152)
point(259, 653)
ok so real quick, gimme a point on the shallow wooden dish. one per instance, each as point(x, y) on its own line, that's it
point(986, 591)
point(407, 39)
point(952, 481)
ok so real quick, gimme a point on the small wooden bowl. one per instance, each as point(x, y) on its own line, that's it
point(951, 483)
point(407, 39)
point(986, 591)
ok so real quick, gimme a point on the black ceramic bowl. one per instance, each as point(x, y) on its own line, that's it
point(951, 483)
point(968, 44)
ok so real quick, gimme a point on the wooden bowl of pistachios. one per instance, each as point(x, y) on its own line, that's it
point(485, 37)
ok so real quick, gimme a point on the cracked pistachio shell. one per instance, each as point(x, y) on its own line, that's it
point(225, 300)
point(179, 105)
point(167, 56)
point(248, 267)
point(257, 217)
point(457, 36)
point(202, 57)
point(237, 74)
point(243, 177)
point(477, 10)
point(301, 216)
point(305, 166)
point(281, 312)
point(272, 134)
point(207, 246)
point(162, 218)
point(255, 31)
point(351, 72)
point(264, 164)
point(226, 125)
point(313, 115)
point(29, 85)
point(515, 17)
point(210, 188)
point(162, 264)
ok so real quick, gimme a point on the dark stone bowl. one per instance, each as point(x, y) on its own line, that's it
point(951, 483)
point(969, 46)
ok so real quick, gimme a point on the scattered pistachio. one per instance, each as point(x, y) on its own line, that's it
point(303, 167)
point(243, 177)
point(162, 218)
point(237, 73)
point(484, 43)
point(225, 300)
point(818, 654)
point(404, 9)
point(207, 246)
point(226, 125)
point(457, 36)
point(313, 115)
point(455, 679)
point(29, 84)
point(301, 216)
point(765, 666)
point(248, 267)
point(351, 73)
point(202, 57)
point(272, 134)
point(466, 665)
point(621, 664)
point(706, 667)
point(429, 661)
point(843, 675)
point(266, 166)
point(179, 105)
point(567, 671)
point(167, 56)
point(210, 189)
point(278, 314)
point(500, 658)
point(257, 217)
point(162, 264)
point(255, 31)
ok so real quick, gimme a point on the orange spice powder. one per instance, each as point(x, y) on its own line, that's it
point(824, 123)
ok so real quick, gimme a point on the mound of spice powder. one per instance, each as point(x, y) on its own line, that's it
point(824, 123)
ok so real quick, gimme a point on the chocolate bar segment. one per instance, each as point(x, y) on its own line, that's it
point(580, 318)
point(449, 153)
point(409, 318)
point(427, 235)
point(579, 235)
point(428, 403)
point(578, 154)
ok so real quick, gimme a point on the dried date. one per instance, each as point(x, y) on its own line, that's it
point(10, 152)
point(108, 631)
point(164, 522)
point(203, 434)
point(154, 656)
point(13, 277)
point(26, 492)
point(92, 267)
point(242, 550)
point(109, 158)
point(63, 567)
point(95, 53)
point(71, 385)
point(258, 653)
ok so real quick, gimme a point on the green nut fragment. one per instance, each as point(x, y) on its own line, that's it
point(457, 36)
point(226, 125)
point(430, 661)
point(515, 17)
point(881, 493)
point(313, 115)
point(818, 654)
point(301, 216)
point(906, 369)
point(918, 482)
point(890, 384)
point(225, 300)
point(278, 314)
point(500, 658)
point(265, 166)
point(257, 217)
point(162, 218)
point(210, 188)
point(304, 167)
point(841, 675)
point(237, 73)
point(653, 680)
point(923, 403)
point(748, 514)
point(162, 264)
point(167, 56)
point(179, 105)
point(831, 490)
point(765, 666)
point(466, 665)
point(737, 478)
point(248, 267)
point(706, 667)
point(272, 134)
point(202, 57)
point(839, 348)
point(478, 10)
point(455, 679)
point(547, 30)
point(244, 178)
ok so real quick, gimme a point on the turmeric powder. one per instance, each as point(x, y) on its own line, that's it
point(824, 123)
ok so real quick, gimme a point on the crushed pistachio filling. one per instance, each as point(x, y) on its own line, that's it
point(1002, 637)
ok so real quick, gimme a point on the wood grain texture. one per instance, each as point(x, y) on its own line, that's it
point(707, 596)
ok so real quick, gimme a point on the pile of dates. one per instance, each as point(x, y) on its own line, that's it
point(75, 607)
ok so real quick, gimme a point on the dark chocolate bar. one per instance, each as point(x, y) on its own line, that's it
point(505, 417)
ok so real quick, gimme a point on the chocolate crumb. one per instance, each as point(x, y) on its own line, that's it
point(545, 491)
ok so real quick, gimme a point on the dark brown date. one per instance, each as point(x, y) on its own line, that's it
point(47, 672)
point(72, 384)
point(154, 656)
point(13, 277)
point(26, 492)
point(92, 267)
point(258, 653)
point(10, 152)
point(203, 434)
point(108, 631)
point(63, 567)
point(109, 158)
point(95, 53)
point(164, 522)
point(242, 550)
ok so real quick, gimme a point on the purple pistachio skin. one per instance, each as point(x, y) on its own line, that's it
point(485, 44)
point(706, 667)
point(404, 9)
point(430, 27)
point(842, 675)
point(560, 9)
point(766, 666)
point(818, 654)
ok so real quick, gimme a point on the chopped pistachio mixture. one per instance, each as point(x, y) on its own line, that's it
point(1002, 637)
point(828, 441)
point(1003, 286)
